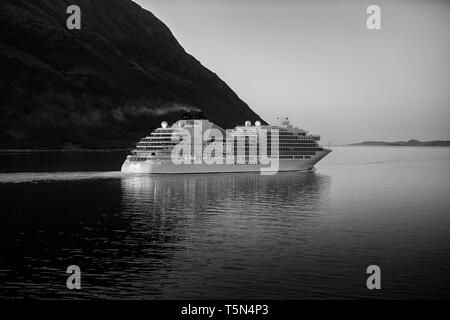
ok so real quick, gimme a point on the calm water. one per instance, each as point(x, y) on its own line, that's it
point(289, 236)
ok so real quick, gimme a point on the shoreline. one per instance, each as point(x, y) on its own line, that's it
point(62, 150)
point(3, 151)
point(387, 145)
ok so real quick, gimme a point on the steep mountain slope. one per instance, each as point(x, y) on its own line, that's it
point(102, 86)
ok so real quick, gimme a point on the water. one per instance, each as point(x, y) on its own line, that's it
point(289, 236)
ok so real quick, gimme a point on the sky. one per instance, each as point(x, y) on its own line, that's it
point(317, 63)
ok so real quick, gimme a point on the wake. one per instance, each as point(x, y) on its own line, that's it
point(20, 177)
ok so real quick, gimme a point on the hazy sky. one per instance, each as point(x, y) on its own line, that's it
point(318, 64)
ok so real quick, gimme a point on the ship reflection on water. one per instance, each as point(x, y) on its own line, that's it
point(248, 196)
point(228, 235)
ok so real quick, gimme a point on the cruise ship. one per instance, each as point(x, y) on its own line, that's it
point(193, 144)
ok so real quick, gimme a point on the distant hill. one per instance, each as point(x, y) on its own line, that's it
point(413, 142)
point(103, 86)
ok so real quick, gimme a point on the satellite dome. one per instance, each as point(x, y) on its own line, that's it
point(248, 123)
point(164, 124)
point(257, 123)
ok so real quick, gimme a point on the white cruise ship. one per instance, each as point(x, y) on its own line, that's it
point(195, 145)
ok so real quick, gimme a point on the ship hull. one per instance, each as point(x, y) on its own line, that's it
point(168, 167)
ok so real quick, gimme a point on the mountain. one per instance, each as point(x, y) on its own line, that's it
point(103, 86)
point(412, 142)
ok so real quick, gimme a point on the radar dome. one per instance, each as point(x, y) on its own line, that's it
point(248, 123)
point(164, 124)
point(257, 123)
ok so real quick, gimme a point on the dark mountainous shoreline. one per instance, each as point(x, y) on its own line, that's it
point(103, 86)
point(410, 143)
